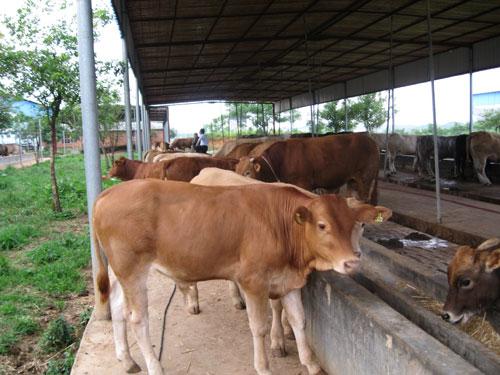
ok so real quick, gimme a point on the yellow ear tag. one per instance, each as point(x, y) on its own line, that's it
point(379, 218)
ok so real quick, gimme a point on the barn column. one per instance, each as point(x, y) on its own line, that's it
point(434, 126)
point(471, 104)
point(90, 132)
point(345, 106)
point(274, 119)
point(138, 116)
point(291, 116)
point(126, 97)
point(390, 85)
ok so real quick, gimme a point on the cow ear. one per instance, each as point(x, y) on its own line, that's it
point(492, 262)
point(488, 244)
point(301, 215)
point(369, 214)
point(256, 166)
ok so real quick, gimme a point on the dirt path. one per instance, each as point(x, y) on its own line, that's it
point(218, 341)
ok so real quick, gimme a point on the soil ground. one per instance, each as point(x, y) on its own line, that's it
point(217, 341)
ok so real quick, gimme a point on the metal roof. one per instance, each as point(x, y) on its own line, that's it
point(296, 53)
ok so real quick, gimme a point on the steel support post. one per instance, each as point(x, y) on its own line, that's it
point(434, 125)
point(138, 117)
point(90, 131)
point(126, 96)
point(471, 103)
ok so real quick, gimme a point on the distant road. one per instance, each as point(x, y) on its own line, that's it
point(15, 161)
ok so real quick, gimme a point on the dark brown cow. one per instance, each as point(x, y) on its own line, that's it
point(473, 280)
point(4, 151)
point(265, 238)
point(242, 149)
point(319, 163)
point(126, 169)
point(185, 168)
point(182, 143)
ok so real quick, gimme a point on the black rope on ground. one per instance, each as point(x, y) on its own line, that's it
point(165, 321)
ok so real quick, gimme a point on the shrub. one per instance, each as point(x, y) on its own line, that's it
point(58, 335)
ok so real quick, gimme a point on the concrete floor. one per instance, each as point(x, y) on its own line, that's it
point(218, 341)
point(464, 220)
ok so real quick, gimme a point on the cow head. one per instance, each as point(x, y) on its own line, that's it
point(332, 229)
point(473, 281)
point(256, 168)
point(118, 169)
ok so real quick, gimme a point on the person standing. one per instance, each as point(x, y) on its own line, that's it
point(202, 143)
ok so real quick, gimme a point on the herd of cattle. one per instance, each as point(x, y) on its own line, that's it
point(254, 214)
point(478, 146)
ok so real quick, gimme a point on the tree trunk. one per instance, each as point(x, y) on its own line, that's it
point(56, 202)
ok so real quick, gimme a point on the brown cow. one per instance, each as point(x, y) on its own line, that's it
point(175, 154)
point(184, 169)
point(4, 151)
point(474, 281)
point(319, 163)
point(182, 143)
point(126, 169)
point(269, 250)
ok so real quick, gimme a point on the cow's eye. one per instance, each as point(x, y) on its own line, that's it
point(321, 226)
point(465, 283)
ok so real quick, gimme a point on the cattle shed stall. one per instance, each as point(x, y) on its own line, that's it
point(302, 53)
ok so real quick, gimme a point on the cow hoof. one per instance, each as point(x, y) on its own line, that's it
point(193, 310)
point(240, 305)
point(133, 369)
point(278, 352)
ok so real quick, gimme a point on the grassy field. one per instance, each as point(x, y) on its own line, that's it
point(44, 268)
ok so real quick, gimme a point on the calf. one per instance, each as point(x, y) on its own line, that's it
point(126, 169)
point(474, 281)
point(319, 163)
point(269, 250)
point(185, 168)
point(483, 146)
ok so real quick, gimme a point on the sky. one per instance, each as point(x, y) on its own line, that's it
point(413, 103)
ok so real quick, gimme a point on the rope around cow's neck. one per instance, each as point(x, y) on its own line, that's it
point(164, 322)
point(270, 166)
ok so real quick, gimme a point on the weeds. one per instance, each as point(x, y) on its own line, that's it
point(58, 335)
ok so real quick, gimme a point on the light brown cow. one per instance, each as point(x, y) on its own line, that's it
point(173, 155)
point(319, 163)
point(269, 250)
point(483, 146)
point(398, 145)
point(126, 169)
point(473, 280)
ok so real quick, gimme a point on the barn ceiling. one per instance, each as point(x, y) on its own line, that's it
point(271, 50)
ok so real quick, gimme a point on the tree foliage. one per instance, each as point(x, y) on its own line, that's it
point(39, 62)
point(490, 121)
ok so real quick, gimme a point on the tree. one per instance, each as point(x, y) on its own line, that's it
point(49, 70)
point(490, 121)
point(334, 115)
point(5, 116)
point(369, 111)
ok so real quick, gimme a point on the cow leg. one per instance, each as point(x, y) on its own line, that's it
point(136, 299)
point(190, 293)
point(480, 168)
point(296, 316)
point(257, 318)
point(118, 311)
point(287, 328)
point(236, 297)
point(277, 335)
point(392, 163)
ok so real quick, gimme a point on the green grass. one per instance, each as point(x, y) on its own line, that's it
point(41, 259)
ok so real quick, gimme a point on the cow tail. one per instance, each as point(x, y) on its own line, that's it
point(102, 278)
